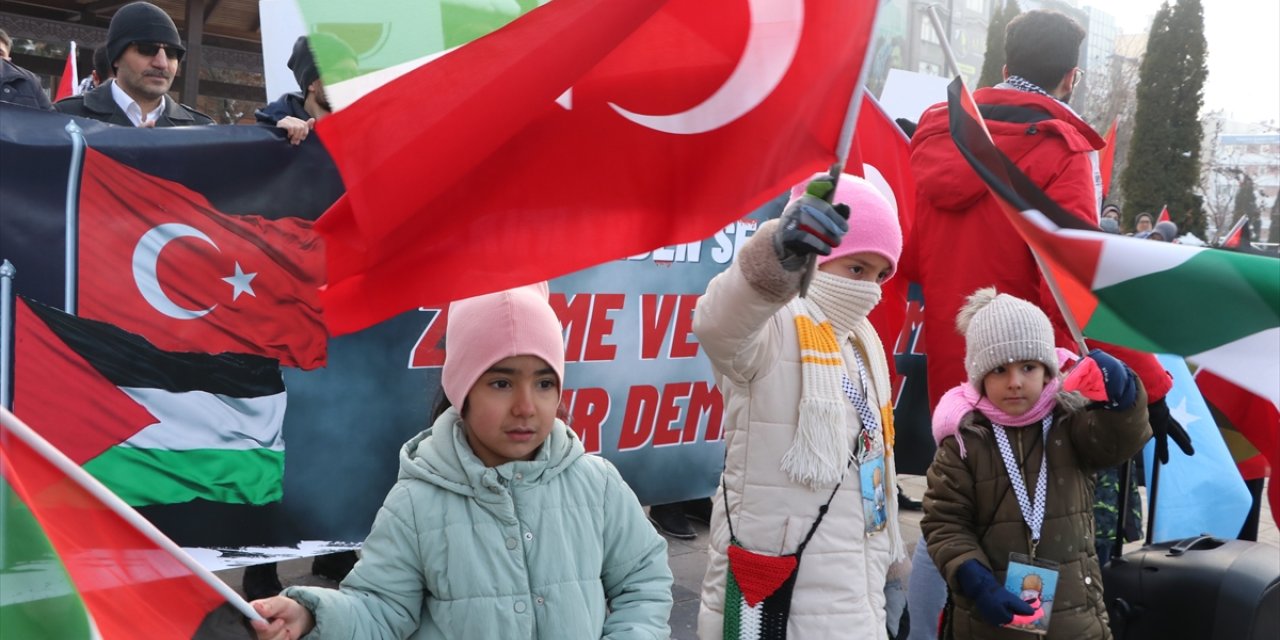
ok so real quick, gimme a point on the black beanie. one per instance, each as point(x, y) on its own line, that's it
point(140, 22)
point(302, 61)
point(303, 64)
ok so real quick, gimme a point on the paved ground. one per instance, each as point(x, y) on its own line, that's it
point(688, 561)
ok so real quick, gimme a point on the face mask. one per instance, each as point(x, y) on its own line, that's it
point(844, 301)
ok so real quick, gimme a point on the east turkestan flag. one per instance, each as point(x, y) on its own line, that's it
point(156, 427)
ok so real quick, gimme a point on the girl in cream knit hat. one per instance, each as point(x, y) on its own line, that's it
point(1013, 473)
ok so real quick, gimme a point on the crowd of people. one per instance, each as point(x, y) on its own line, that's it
point(501, 526)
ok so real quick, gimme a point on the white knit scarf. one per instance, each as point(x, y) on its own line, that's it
point(836, 310)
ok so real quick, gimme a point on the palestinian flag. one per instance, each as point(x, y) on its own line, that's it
point(156, 427)
point(1164, 214)
point(78, 563)
point(757, 599)
point(1219, 309)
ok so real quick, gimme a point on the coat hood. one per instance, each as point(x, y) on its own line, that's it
point(441, 456)
point(1019, 121)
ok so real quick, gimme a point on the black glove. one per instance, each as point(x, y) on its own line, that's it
point(809, 225)
point(1119, 380)
point(1164, 427)
point(995, 604)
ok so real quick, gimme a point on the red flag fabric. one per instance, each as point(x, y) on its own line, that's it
point(69, 85)
point(158, 260)
point(1255, 417)
point(103, 415)
point(886, 152)
point(1108, 157)
point(132, 585)
point(681, 117)
point(1164, 214)
point(1235, 235)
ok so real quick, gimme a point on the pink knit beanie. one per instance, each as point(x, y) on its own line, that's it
point(485, 329)
point(873, 225)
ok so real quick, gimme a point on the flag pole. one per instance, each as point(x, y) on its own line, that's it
point(11, 424)
point(843, 143)
point(7, 272)
point(1058, 298)
point(70, 280)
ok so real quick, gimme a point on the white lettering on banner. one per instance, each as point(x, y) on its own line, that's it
point(727, 242)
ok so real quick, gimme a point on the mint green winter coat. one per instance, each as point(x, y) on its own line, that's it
point(553, 548)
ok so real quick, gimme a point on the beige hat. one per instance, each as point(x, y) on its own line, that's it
point(999, 329)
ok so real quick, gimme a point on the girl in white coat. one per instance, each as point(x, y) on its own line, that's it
point(808, 424)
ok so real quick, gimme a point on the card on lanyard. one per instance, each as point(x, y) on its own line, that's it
point(1036, 583)
point(869, 450)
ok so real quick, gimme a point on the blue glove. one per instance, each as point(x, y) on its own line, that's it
point(995, 604)
point(1120, 382)
point(809, 225)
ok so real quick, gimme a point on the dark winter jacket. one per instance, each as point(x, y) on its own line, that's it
point(962, 240)
point(100, 105)
point(289, 104)
point(21, 87)
point(971, 512)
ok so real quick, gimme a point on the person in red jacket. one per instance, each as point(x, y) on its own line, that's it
point(962, 239)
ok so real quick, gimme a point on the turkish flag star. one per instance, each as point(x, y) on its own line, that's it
point(240, 283)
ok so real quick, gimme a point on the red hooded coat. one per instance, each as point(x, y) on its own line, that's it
point(962, 240)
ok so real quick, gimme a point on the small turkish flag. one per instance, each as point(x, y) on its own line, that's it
point(158, 260)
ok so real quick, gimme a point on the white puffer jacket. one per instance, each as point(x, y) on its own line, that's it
point(751, 340)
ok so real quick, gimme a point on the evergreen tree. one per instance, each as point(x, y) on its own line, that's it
point(993, 60)
point(1247, 206)
point(1275, 222)
point(1164, 155)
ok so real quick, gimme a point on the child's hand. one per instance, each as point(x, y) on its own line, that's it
point(286, 619)
point(809, 225)
point(1120, 383)
point(995, 605)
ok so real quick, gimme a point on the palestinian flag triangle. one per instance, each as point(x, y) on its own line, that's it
point(156, 427)
point(79, 563)
point(758, 598)
point(1219, 309)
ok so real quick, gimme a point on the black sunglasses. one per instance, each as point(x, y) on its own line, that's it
point(150, 49)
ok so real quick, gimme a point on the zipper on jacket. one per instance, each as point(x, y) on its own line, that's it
point(1031, 130)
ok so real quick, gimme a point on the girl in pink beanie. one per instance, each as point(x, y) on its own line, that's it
point(803, 537)
point(500, 525)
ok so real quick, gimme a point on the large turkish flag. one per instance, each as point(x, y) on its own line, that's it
point(158, 260)
point(478, 171)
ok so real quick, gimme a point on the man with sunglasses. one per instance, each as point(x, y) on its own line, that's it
point(144, 50)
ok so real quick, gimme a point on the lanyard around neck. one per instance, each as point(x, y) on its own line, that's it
point(1032, 511)
point(871, 431)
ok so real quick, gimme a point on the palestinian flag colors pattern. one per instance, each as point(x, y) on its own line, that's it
point(1219, 309)
point(156, 427)
point(757, 600)
point(79, 564)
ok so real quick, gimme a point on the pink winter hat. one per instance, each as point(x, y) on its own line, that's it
point(485, 329)
point(873, 224)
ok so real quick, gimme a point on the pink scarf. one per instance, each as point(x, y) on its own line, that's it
point(964, 398)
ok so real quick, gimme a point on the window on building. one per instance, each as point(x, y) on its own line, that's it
point(927, 32)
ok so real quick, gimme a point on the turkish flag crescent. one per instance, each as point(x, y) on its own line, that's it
point(582, 132)
point(158, 260)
